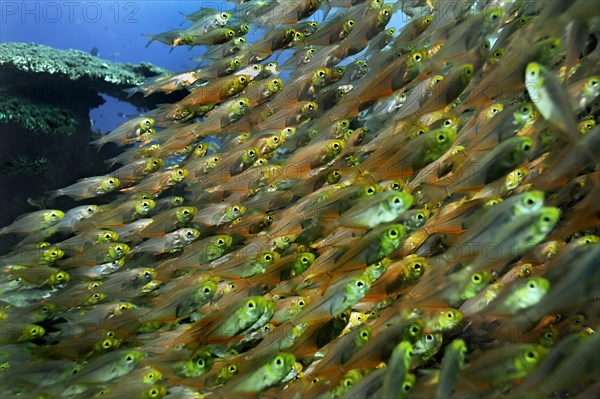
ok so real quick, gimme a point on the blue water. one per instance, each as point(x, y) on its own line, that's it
point(115, 29)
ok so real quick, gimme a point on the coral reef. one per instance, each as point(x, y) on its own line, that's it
point(46, 96)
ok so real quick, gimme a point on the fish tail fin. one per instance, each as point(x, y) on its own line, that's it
point(150, 38)
point(326, 8)
point(433, 193)
point(131, 91)
point(55, 194)
point(99, 143)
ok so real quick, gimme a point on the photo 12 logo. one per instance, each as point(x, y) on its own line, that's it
point(69, 11)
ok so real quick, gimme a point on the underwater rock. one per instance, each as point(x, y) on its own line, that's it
point(47, 96)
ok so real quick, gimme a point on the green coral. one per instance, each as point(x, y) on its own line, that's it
point(38, 118)
point(25, 166)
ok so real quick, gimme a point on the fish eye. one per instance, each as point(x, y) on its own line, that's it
point(106, 343)
point(186, 212)
point(189, 234)
point(429, 337)
point(321, 74)
point(420, 216)
point(396, 200)
point(549, 335)
point(53, 253)
point(111, 181)
point(450, 315)
point(304, 259)
point(393, 233)
point(267, 257)
point(531, 285)
point(386, 12)
point(476, 278)
point(129, 358)
point(526, 147)
point(90, 210)
point(251, 304)
point(60, 276)
point(220, 241)
point(447, 122)
point(594, 82)
point(232, 369)
point(441, 137)
point(200, 362)
point(301, 303)
point(530, 355)
point(242, 79)
point(417, 57)
point(350, 22)
point(417, 266)
point(497, 53)
point(360, 284)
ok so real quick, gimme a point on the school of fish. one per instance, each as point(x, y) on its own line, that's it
point(383, 213)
